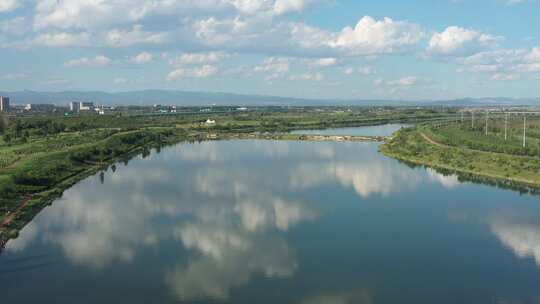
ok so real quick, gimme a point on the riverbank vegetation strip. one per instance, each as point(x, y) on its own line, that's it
point(421, 145)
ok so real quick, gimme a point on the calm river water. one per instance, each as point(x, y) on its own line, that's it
point(276, 222)
point(381, 130)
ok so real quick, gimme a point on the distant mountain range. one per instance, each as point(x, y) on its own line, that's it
point(185, 98)
point(495, 101)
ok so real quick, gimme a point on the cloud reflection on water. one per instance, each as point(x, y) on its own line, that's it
point(365, 173)
point(219, 202)
point(229, 257)
point(520, 233)
point(447, 181)
point(365, 178)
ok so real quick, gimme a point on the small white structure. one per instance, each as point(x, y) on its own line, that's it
point(86, 106)
point(77, 107)
point(210, 122)
point(40, 107)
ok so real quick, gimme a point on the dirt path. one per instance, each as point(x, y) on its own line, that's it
point(13, 214)
point(431, 141)
point(13, 164)
point(490, 175)
point(438, 144)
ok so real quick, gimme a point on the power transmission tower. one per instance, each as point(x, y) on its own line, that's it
point(506, 127)
point(524, 130)
point(487, 117)
point(472, 120)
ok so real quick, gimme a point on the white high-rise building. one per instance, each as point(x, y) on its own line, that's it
point(4, 104)
point(74, 106)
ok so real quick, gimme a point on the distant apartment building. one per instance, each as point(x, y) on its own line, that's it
point(40, 107)
point(103, 110)
point(74, 106)
point(164, 109)
point(4, 104)
point(77, 107)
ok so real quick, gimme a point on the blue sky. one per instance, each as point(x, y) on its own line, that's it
point(382, 49)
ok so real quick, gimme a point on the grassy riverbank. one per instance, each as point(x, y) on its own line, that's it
point(43, 175)
point(419, 146)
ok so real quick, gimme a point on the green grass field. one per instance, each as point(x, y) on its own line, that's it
point(464, 135)
point(463, 154)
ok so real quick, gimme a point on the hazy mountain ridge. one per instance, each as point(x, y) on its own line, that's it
point(495, 101)
point(187, 98)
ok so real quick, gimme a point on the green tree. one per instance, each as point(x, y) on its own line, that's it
point(4, 122)
point(18, 129)
point(7, 138)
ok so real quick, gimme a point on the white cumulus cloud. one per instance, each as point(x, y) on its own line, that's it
point(62, 39)
point(197, 72)
point(286, 6)
point(325, 62)
point(143, 57)
point(456, 40)
point(199, 58)
point(307, 77)
point(120, 80)
point(371, 36)
point(98, 61)
point(9, 5)
point(273, 67)
point(137, 35)
point(367, 70)
point(404, 82)
point(504, 77)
